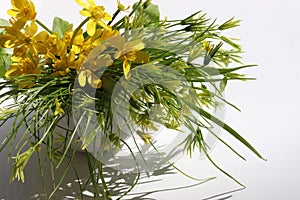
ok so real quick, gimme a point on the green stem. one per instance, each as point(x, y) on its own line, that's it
point(130, 14)
point(114, 16)
point(104, 185)
point(78, 29)
point(43, 26)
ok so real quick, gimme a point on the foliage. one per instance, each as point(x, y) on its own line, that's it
point(43, 70)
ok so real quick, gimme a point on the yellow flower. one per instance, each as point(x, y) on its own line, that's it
point(121, 7)
point(207, 46)
point(23, 38)
point(20, 162)
point(144, 136)
point(96, 15)
point(103, 35)
point(83, 46)
point(88, 76)
point(96, 61)
point(129, 52)
point(21, 66)
point(62, 57)
point(61, 60)
point(58, 109)
point(22, 9)
point(78, 42)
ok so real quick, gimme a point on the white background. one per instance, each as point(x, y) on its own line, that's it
point(270, 105)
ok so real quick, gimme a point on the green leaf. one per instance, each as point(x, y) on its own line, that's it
point(229, 130)
point(153, 12)
point(224, 126)
point(2, 69)
point(216, 71)
point(145, 14)
point(60, 26)
point(231, 23)
point(223, 84)
point(231, 43)
point(3, 22)
point(4, 62)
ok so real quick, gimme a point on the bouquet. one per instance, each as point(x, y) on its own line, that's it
point(112, 87)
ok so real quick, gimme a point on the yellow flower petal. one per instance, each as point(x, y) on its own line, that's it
point(82, 78)
point(126, 68)
point(91, 2)
point(58, 109)
point(96, 52)
point(10, 71)
point(144, 136)
point(109, 33)
point(81, 3)
point(141, 57)
point(75, 49)
point(94, 81)
point(42, 36)
point(19, 24)
point(79, 39)
point(32, 7)
point(102, 24)
point(85, 13)
point(117, 41)
point(102, 61)
point(12, 12)
point(19, 3)
point(107, 17)
point(31, 29)
point(135, 45)
point(91, 28)
point(9, 44)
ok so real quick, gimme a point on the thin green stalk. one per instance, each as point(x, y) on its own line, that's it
point(179, 170)
point(224, 172)
point(130, 14)
point(114, 16)
point(63, 175)
point(43, 26)
point(70, 142)
point(41, 171)
point(104, 185)
point(91, 170)
point(78, 180)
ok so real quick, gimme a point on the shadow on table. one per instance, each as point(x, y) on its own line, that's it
point(77, 183)
point(118, 183)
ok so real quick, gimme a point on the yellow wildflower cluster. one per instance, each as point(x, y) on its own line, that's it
point(40, 52)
